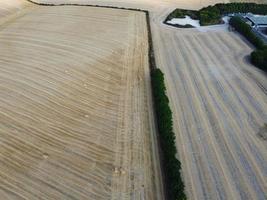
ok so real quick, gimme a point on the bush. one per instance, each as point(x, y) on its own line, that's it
point(181, 13)
point(243, 28)
point(211, 15)
point(181, 26)
point(171, 166)
point(260, 9)
point(259, 59)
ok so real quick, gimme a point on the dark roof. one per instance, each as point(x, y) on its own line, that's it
point(258, 20)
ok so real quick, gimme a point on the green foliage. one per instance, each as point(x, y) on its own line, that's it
point(254, 8)
point(182, 26)
point(259, 58)
point(181, 13)
point(212, 14)
point(171, 165)
point(243, 28)
point(188, 26)
point(209, 15)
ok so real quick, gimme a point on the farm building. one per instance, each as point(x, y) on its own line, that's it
point(257, 20)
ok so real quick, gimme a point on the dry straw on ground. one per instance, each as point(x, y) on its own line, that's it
point(75, 105)
point(53, 123)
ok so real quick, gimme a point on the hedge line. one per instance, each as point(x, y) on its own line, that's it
point(174, 186)
point(88, 5)
point(171, 165)
point(212, 14)
point(260, 9)
point(243, 28)
point(258, 57)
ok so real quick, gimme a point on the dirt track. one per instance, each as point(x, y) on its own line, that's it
point(219, 103)
point(75, 112)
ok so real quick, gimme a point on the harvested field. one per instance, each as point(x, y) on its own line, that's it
point(11, 6)
point(75, 111)
point(218, 100)
point(219, 104)
point(10, 9)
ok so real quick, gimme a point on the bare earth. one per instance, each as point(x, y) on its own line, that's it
point(75, 112)
point(218, 100)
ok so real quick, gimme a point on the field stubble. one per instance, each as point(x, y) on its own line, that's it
point(75, 111)
point(218, 101)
